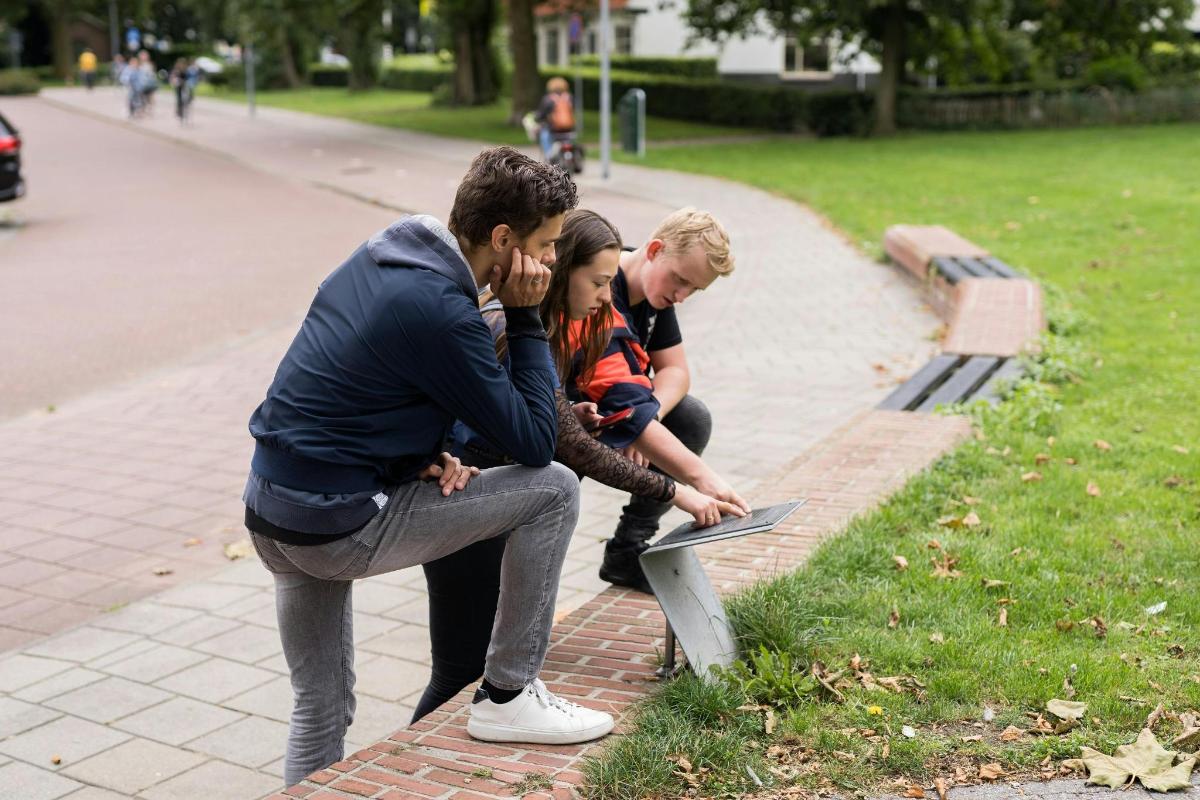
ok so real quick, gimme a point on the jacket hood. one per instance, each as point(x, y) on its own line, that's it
point(421, 241)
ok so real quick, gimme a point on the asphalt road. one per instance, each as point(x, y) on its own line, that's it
point(132, 253)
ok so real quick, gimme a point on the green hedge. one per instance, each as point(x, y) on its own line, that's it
point(19, 81)
point(841, 113)
point(715, 101)
point(680, 67)
point(328, 75)
point(407, 78)
point(1048, 109)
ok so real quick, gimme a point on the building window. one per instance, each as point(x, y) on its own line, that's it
point(791, 55)
point(624, 37)
point(551, 54)
point(591, 43)
point(814, 57)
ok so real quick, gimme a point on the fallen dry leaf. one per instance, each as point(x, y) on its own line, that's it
point(971, 501)
point(1003, 620)
point(1031, 476)
point(1070, 462)
point(939, 786)
point(1093, 489)
point(971, 520)
point(1180, 449)
point(976, 738)
point(933, 544)
point(1011, 734)
point(991, 772)
point(937, 638)
point(1144, 760)
point(914, 791)
point(1041, 458)
point(769, 721)
point(1153, 717)
point(901, 562)
point(944, 568)
point(894, 617)
point(239, 549)
point(1066, 709)
point(163, 571)
point(989, 583)
point(1172, 481)
point(1100, 444)
point(56, 760)
point(192, 542)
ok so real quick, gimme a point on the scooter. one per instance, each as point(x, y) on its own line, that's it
point(566, 153)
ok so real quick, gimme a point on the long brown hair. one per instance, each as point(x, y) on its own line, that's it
point(585, 234)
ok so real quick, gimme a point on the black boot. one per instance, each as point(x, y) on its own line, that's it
point(621, 566)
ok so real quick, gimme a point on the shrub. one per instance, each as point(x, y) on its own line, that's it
point(1118, 72)
point(680, 67)
point(328, 75)
point(415, 78)
point(714, 101)
point(841, 113)
point(19, 81)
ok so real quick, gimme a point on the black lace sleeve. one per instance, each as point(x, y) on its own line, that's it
point(579, 451)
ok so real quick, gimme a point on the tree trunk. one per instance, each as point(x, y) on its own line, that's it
point(526, 83)
point(287, 60)
point(891, 67)
point(360, 29)
point(464, 69)
point(475, 79)
point(60, 38)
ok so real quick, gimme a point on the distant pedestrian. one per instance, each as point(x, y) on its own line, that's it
point(149, 81)
point(183, 81)
point(131, 79)
point(115, 68)
point(87, 67)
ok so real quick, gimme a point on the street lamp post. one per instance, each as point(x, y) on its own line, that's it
point(248, 59)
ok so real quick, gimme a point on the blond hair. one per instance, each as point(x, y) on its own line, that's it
point(557, 84)
point(682, 230)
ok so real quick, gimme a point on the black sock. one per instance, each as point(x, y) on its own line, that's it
point(498, 695)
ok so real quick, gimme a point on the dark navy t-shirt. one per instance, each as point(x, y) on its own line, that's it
point(656, 330)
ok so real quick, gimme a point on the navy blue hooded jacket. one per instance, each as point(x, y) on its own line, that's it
point(391, 353)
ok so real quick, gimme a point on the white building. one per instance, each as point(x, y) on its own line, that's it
point(657, 28)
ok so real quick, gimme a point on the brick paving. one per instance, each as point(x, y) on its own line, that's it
point(806, 334)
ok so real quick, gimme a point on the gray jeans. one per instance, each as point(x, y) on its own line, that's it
point(313, 589)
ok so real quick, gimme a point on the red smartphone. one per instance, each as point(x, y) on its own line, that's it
point(613, 419)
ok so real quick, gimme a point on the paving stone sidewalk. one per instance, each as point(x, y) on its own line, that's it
point(186, 687)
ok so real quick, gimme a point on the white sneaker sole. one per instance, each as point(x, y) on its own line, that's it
point(493, 732)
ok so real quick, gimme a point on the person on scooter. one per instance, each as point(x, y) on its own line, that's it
point(556, 114)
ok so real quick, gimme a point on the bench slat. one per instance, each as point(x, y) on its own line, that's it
point(975, 267)
point(926, 379)
point(949, 269)
point(968, 378)
point(1009, 371)
point(999, 267)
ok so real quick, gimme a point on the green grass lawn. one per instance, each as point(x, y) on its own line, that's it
point(413, 111)
point(1107, 218)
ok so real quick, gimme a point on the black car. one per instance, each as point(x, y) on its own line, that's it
point(11, 185)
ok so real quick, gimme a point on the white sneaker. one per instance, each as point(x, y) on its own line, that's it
point(537, 716)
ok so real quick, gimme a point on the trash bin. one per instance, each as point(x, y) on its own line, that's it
point(631, 121)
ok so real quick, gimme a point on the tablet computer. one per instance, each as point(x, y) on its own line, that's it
point(730, 527)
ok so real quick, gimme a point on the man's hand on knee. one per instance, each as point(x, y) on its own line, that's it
point(450, 474)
